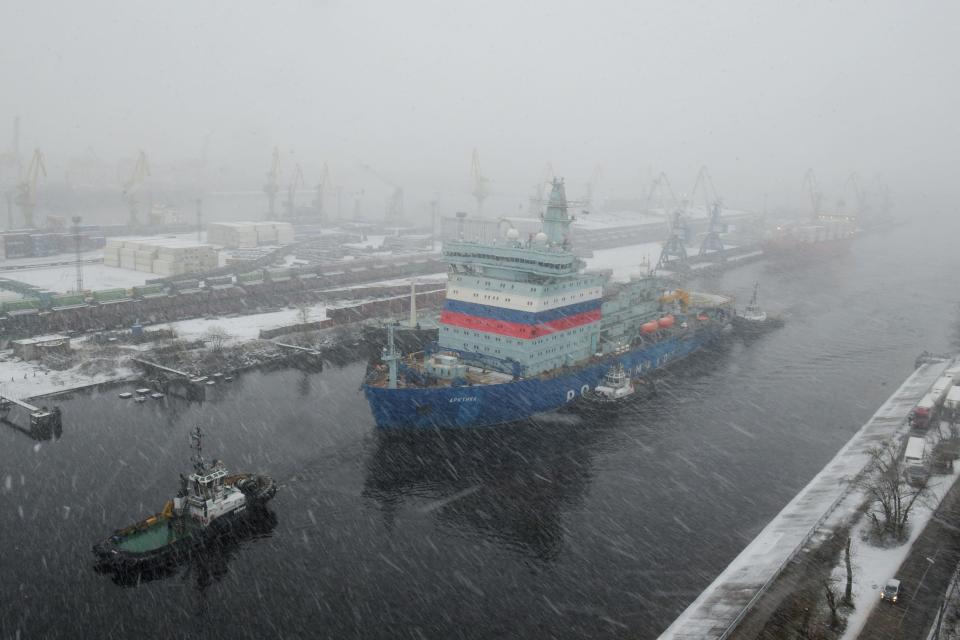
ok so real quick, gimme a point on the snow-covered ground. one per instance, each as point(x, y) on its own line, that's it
point(244, 328)
point(873, 566)
point(827, 500)
point(625, 261)
point(14, 264)
point(19, 379)
point(372, 242)
point(95, 276)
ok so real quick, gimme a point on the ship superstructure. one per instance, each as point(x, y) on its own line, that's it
point(525, 328)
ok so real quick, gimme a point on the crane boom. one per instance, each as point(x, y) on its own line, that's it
point(394, 210)
point(26, 197)
point(272, 187)
point(481, 185)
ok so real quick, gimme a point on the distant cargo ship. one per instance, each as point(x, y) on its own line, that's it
point(824, 236)
point(524, 329)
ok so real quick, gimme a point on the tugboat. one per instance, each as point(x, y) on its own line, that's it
point(753, 319)
point(617, 389)
point(208, 502)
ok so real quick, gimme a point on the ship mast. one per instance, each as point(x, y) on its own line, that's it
point(196, 443)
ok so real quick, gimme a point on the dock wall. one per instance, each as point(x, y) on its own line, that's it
point(722, 605)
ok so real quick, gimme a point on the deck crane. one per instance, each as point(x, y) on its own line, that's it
point(481, 185)
point(272, 187)
point(711, 241)
point(26, 197)
point(132, 185)
point(322, 188)
point(394, 210)
point(296, 180)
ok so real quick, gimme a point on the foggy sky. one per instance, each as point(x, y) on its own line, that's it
point(757, 90)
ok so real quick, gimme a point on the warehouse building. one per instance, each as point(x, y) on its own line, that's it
point(244, 235)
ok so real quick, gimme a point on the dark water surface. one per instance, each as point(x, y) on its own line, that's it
point(565, 527)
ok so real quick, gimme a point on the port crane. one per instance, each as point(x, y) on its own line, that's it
point(394, 210)
point(132, 185)
point(272, 187)
point(541, 192)
point(322, 188)
point(296, 180)
point(592, 188)
point(10, 166)
point(859, 193)
point(26, 197)
point(481, 185)
point(711, 241)
point(813, 192)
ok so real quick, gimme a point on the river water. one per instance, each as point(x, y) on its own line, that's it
point(564, 527)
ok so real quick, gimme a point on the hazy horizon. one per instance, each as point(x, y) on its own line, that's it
point(759, 92)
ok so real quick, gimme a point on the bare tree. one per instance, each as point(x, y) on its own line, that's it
point(216, 336)
point(303, 314)
point(833, 601)
point(892, 498)
point(848, 591)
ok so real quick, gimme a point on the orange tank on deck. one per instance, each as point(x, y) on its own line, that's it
point(649, 327)
point(665, 321)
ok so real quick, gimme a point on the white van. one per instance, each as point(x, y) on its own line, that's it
point(914, 461)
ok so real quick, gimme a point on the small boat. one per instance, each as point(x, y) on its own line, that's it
point(140, 399)
point(126, 395)
point(753, 319)
point(227, 378)
point(218, 375)
point(211, 383)
point(156, 396)
point(144, 391)
point(616, 389)
point(209, 501)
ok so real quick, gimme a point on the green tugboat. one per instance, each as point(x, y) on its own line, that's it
point(208, 503)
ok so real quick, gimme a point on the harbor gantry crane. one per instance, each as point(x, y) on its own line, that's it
point(10, 170)
point(859, 193)
point(132, 185)
point(592, 186)
point(481, 185)
point(272, 187)
point(26, 197)
point(813, 192)
point(675, 248)
point(322, 187)
point(711, 241)
point(394, 210)
point(296, 180)
point(541, 192)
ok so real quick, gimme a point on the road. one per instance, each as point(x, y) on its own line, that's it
point(924, 576)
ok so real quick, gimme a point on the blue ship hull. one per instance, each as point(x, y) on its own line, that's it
point(483, 405)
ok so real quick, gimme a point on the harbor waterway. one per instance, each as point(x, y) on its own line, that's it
point(566, 526)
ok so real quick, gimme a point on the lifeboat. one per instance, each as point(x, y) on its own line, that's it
point(665, 322)
point(649, 327)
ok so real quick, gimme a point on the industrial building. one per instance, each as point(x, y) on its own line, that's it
point(41, 346)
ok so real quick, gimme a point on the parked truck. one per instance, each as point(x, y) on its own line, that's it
point(915, 460)
point(922, 413)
